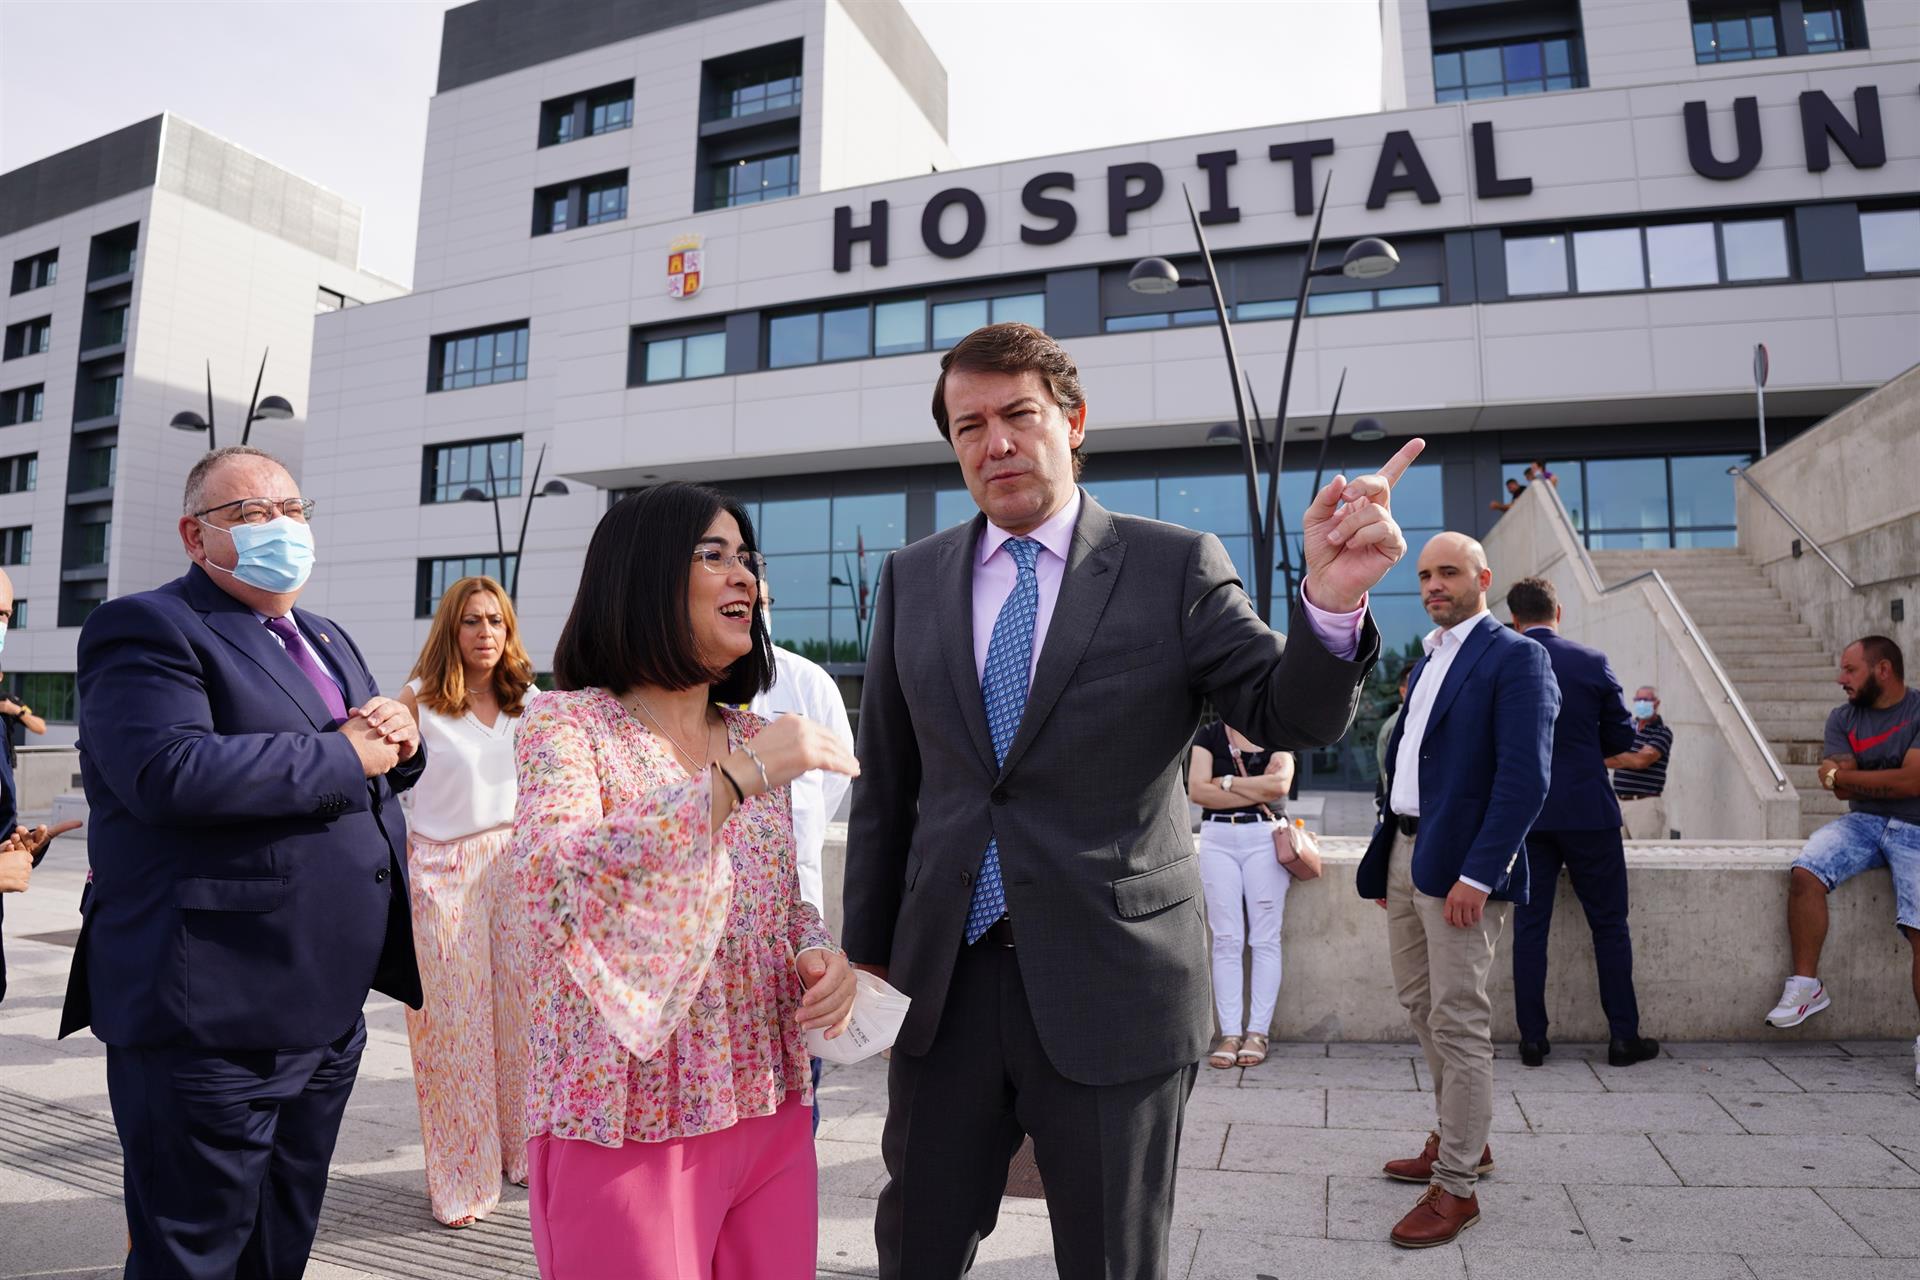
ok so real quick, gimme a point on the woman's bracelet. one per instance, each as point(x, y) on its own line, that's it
point(766, 783)
point(739, 796)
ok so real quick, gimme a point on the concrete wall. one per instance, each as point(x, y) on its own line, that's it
point(1718, 786)
point(1710, 952)
point(42, 774)
point(1849, 482)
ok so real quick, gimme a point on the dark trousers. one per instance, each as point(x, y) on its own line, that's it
point(226, 1154)
point(1597, 867)
point(955, 1119)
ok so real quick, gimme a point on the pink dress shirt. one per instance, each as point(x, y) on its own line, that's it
point(994, 574)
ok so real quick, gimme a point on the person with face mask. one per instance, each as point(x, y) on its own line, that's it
point(1640, 775)
point(249, 887)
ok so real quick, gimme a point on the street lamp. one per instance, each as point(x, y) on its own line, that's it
point(271, 409)
point(1367, 258)
point(552, 489)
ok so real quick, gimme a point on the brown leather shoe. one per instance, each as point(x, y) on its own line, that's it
point(1420, 1167)
point(1438, 1219)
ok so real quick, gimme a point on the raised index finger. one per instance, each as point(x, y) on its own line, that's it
point(1397, 465)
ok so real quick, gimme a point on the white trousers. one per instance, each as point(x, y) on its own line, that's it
point(1240, 873)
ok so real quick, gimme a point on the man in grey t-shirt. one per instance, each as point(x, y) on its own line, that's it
point(1873, 762)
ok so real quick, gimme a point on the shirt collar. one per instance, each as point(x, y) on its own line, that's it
point(1436, 637)
point(1055, 532)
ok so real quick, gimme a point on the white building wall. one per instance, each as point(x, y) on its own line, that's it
point(871, 129)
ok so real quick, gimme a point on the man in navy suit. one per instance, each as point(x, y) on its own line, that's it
point(1578, 828)
point(249, 886)
point(1467, 772)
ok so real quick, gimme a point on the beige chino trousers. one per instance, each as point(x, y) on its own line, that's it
point(1440, 974)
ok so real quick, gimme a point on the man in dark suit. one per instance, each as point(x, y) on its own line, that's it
point(1019, 860)
point(1467, 775)
point(1579, 829)
point(249, 885)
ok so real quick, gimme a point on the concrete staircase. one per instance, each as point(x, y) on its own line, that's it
point(1783, 674)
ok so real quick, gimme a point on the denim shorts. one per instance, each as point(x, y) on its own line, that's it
point(1859, 842)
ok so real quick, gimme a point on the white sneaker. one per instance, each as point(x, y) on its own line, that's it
point(1800, 1000)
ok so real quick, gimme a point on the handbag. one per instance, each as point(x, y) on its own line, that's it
point(1288, 838)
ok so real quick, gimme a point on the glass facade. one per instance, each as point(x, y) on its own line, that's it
point(890, 328)
point(1659, 256)
point(1646, 503)
point(1890, 239)
point(449, 470)
point(756, 179)
point(699, 355)
point(1734, 34)
point(1506, 70)
point(479, 359)
point(20, 473)
point(434, 576)
point(772, 86)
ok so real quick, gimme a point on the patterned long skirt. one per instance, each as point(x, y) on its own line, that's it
point(469, 1037)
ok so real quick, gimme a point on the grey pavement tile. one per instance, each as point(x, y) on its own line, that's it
point(1767, 1160)
point(1303, 1107)
point(1625, 1113)
point(1246, 1255)
point(1761, 1220)
point(1555, 1075)
point(1296, 1049)
point(1366, 1049)
point(1851, 1075)
point(850, 1170)
point(1343, 1073)
point(1020, 1248)
point(1907, 1148)
point(1352, 1152)
point(1282, 1204)
point(1624, 1158)
point(863, 1124)
point(1766, 1268)
point(1522, 1215)
point(1506, 1263)
point(1890, 1220)
point(1675, 1075)
point(1569, 1051)
point(1881, 1115)
point(1381, 1109)
point(1200, 1144)
point(1878, 1048)
point(1768, 1048)
point(1210, 1078)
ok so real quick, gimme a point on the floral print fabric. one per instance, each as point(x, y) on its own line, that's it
point(663, 998)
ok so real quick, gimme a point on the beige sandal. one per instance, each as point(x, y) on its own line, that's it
point(1226, 1050)
point(1253, 1050)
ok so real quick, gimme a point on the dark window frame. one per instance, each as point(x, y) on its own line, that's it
point(570, 117)
point(13, 400)
point(646, 340)
point(16, 545)
point(20, 472)
point(438, 375)
point(432, 486)
point(53, 695)
point(1567, 232)
point(36, 271)
point(30, 337)
point(718, 169)
point(546, 200)
point(1576, 74)
point(428, 589)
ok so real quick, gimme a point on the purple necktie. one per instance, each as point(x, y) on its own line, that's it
point(297, 650)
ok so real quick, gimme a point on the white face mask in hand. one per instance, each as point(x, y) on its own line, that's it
point(873, 1025)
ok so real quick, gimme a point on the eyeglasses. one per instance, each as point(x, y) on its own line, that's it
point(719, 562)
point(261, 510)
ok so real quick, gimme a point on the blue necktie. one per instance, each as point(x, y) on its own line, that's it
point(1004, 689)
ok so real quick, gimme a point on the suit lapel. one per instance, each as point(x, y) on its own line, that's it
point(956, 633)
point(235, 623)
point(1472, 649)
point(1093, 564)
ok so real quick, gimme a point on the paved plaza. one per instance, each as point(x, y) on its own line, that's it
point(1749, 1161)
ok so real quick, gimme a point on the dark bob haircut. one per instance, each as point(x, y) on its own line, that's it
point(629, 623)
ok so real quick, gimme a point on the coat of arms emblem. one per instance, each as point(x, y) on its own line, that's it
point(683, 267)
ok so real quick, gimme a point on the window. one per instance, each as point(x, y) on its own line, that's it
point(1646, 503)
point(1756, 250)
point(479, 358)
point(325, 300)
point(1826, 29)
point(114, 253)
point(899, 326)
point(110, 327)
point(99, 398)
point(1504, 70)
point(37, 272)
point(1734, 34)
point(16, 545)
point(436, 575)
point(94, 468)
point(699, 355)
point(583, 115)
point(892, 327)
point(755, 179)
point(19, 621)
point(449, 470)
point(1319, 304)
point(953, 321)
point(49, 693)
point(22, 404)
point(90, 544)
point(1890, 239)
point(1682, 254)
point(20, 473)
point(1608, 261)
point(29, 337)
point(771, 86)
point(1663, 256)
point(566, 206)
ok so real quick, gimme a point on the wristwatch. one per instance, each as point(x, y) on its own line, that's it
point(1226, 782)
point(1827, 776)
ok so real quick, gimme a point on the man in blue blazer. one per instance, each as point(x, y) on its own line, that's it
point(1466, 775)
point(249, 885)
point(1578, 828)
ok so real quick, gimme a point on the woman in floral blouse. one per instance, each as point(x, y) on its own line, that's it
point(676, 965)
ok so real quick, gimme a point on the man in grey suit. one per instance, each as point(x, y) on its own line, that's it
point(1019, 860)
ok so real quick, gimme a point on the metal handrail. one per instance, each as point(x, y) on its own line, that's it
point(1794, 525)
point(1727, 690)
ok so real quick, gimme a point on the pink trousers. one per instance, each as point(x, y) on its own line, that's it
point(740, 1204)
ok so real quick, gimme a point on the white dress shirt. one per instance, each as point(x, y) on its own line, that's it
point(802, 687)
point(1442, 647)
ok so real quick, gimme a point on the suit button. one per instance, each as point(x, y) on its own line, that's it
point(999, 795)
point(380, 876)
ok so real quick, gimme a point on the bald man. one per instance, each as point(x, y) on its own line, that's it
point(1467, 772)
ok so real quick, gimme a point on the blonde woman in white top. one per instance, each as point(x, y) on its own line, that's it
point(469, 1037)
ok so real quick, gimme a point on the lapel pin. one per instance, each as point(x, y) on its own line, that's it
point(325, 638)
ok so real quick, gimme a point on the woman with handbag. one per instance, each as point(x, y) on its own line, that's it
point(1249, 854)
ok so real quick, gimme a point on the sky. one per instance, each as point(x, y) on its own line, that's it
point(337, 90)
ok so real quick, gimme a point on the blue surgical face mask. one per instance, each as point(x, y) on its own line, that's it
point(1643, 709)
point(276, 556)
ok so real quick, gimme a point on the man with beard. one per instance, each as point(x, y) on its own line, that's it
point(1873, 762)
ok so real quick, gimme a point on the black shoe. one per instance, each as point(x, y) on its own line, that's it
point(1624, 1053)
point(1534, 1052)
